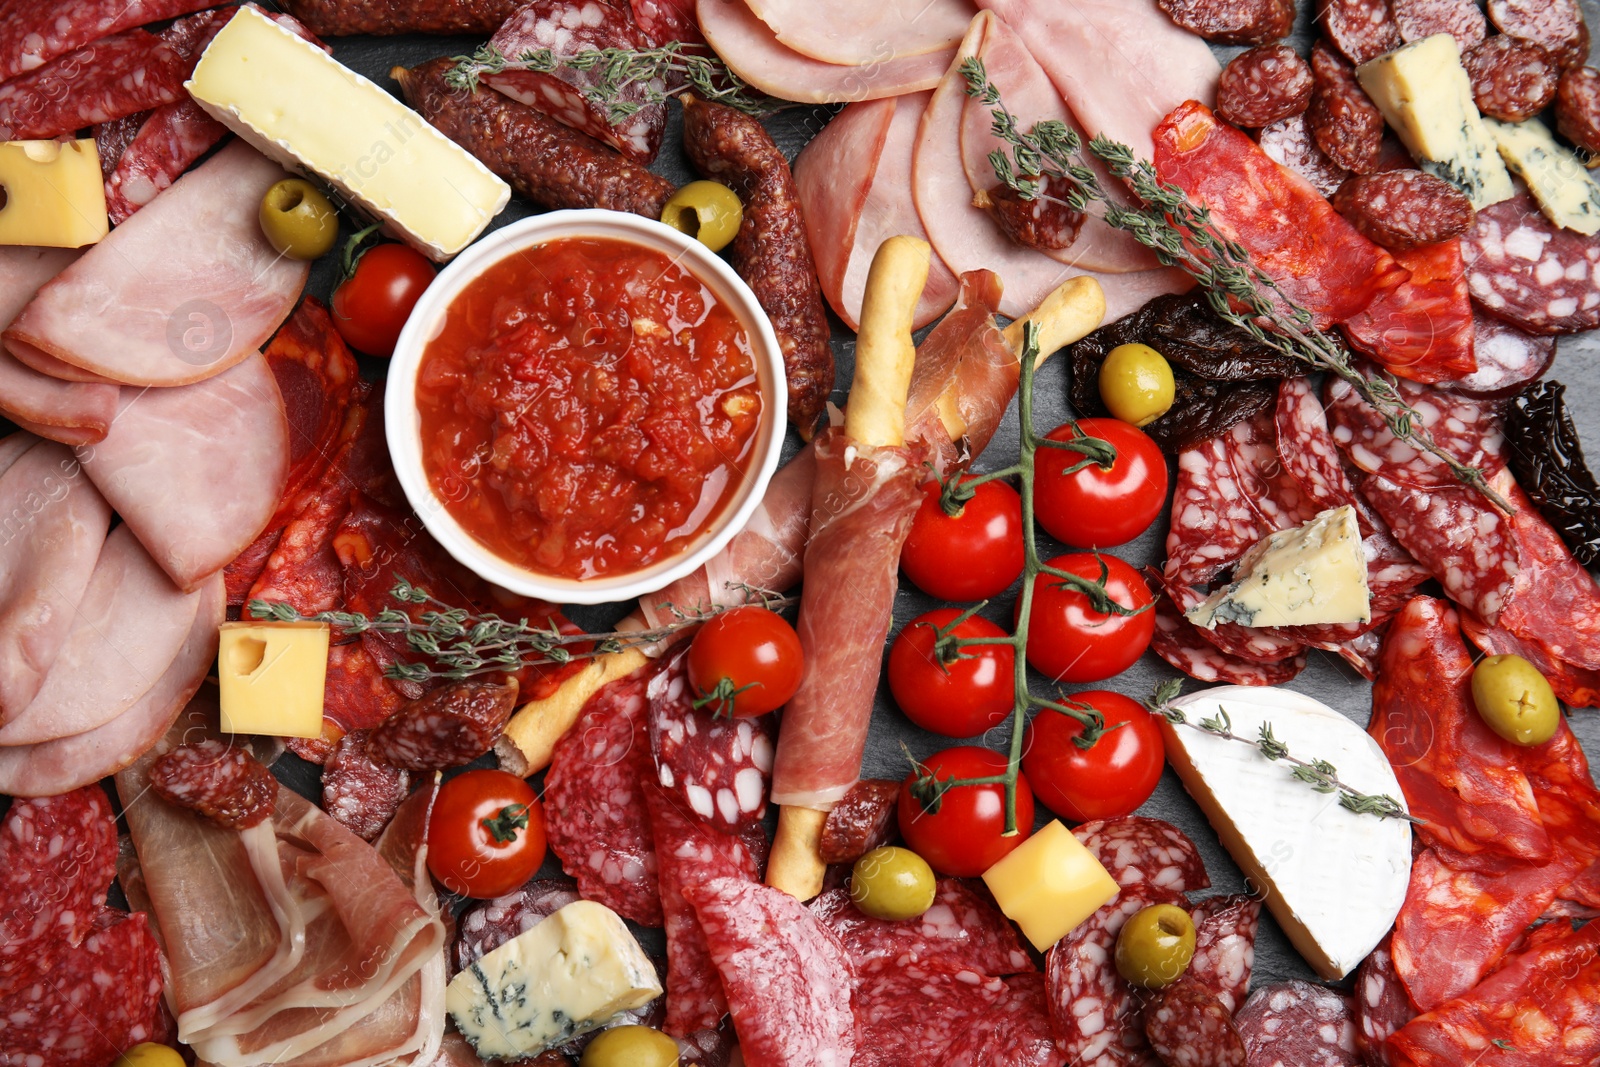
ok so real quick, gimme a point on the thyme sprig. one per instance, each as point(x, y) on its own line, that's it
point(621, 70)
point(463, 644)
point(1319, 774)
point(1183, 234)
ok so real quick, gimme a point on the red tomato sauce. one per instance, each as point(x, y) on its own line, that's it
point(588, 407)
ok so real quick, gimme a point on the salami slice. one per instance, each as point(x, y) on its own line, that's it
point(33, 34)
point(1345, 122)
point(1307, 448)
point(1361, 29)
point(1512, 80)
point(446, 727)
point(111, 139)
point(224, 783)
point(717, 767)
point(112, 78)
point(861, 822)
point(1233, 21)
point(1225, 947)
point(1213, 522)
point(944, 998)
point(1016, 1034)
point(1382, 1007)
point(1273, 492)
point(1524, 269)
point(1404, 208)
point(1461, 19)
point(1290, 144)
point(1555, 25)
point(1263, 86)
point(173, 137)
point(1578, 107)
point(362, 795)
point(1555, 603)
point(1178, 641)
point(1188, 1027)
point(1139, 851)
point(1297, 1024)
point(786, 976)
point(489, 924)
point(961, 926)
point(1469, 429)
point(1508, 359)
point(594, 813)
point(665, 21)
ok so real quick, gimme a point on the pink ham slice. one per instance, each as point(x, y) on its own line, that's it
point(219, 293)
point(127, 630)
point(854, 180)
point(60, 766)
point(12, 447)
point(851, 33)
point(55, 524)
point(72, 413)
point(196, 472)
point(749, 48)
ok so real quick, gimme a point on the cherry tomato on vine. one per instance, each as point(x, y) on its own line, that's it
point(1106, 781)
point(973, 555)
point(961, 698)
point(371, 306)
point(746, 662)
point(1069, 639)
point(965, 837)
point(487, 835)
point(1098, 507)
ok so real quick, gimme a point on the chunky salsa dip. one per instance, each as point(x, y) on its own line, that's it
point(588, 407)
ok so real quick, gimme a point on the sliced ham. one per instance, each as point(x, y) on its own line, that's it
point(54, 525)
point(127, 630)
point(749, 48)
point(60, 766)
point(12, 447)
point(196, 472)
point(855, 191)
point(855, 34)
point(24, 270)
point(180, 292)
point(74, 413)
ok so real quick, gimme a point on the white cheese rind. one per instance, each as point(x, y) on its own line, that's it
point(1307, 576)
point(1426, 95)
point(1566, 194)
point(1333, 879)
point(309, 112)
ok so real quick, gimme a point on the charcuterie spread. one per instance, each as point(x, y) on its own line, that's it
point(694, 533)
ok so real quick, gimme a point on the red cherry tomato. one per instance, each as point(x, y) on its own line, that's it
point(486, 836)
point(964, 837)
point(1071, 641)
point(370, 307)
point(745, 662)
point(962, 698)
point(1106, 781)
point(1098, 507)
point(970, 556)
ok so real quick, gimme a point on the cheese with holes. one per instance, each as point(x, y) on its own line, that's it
point(1566, 194)
point(1049, 884)
point(1333, 879)
point(1426, 95)
point(568, 975)
point(271, 676)
point(308, 111)
point(51, 193)
point(1308, 576)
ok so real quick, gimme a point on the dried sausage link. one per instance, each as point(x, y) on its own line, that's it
point(1044, 222)
point(1345, 122)
point(1263, 86)
point(1555, 25)
point(1578, 108)
point(1512, 80)
point(1404, 209)
point(224, 783)
point(345, 18)
point(1461, 19)
point(1361, 29)
point(1233, 21)
point(448, 727)
point(360, 794)
point(861, 822)
point(1290, 144)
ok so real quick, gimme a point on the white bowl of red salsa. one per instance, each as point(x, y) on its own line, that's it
point(585, 406)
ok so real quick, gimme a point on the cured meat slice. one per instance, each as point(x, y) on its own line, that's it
point(1577, 687)
point(1288, 143)
point(1224, 947)
point(361, 794)
point(786, 976)
point(1512, 80)
point(665, 21)
point(222, 291)
point(1524, 269)
point(1541, 1008)
point(961, 926)
point(489, 924)
point(862, 821)
point(446, 727)
point(1345, 122)
point(1233, 21)
point(1273, 493)
point(753, 52)
point(1507, 359)
point(1424, 329)
point(1462, 780)
point(1404, 208)
point(1293, 235)
point(1016, 1034)
point(110, 79)
point(944, 998)
point(714, 766)
point(1382, 1007)
point(1461, 19)
point(196, 472)
point(1264, 85)
point(128, 627)
point(1361, 29)
point(341, 18)
point(1297, 1024)
point(173, 137)
point(1554, 602)
point(593, 812)
point(1188, 1027)
point(220, 781)
point(1213, 522)
point(1307, 448)
point(1555, 25)
point(838, 31)
point(1178, 641)
point(1578, 107)
point(1469, 429)
point(32, 34)
point(1140, 851)
point(74, 413)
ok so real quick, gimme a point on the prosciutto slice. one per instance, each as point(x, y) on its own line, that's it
point(196, 472)
point(54, 525)
point(856, 34)
point(220, 292)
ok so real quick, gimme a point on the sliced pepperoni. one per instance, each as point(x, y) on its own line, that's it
point(861, 822)
point(1188, 1027)
point(943, 997)
point(1508, 359)
point(1016, 1034)
point(1382, 1006)
point(961, 925)
point(223, 782)
point(1578, 107)
point(1556, 25)
point(1139, 851)
point(1402, 209)
point(489, 924)
point(362, 795)
point(1512, 80)
point(718, 767)
point(1345, 122)
point(1461, 19)
point(1178, 641)
point(1233, 21)
point(1263, 86)
point(1469, 429)
point(446, 727)
point(1225, 947)
point(1361, 29)
point(1297, 1024)
point(1524, 269)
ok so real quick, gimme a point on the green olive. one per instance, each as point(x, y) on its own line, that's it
point(1136, 384)
point(707, 211)
point(1515, 700)
point(149, 1054)
point(1155, 946)
point(892, 883)
point(298, 220)
point(630, 1046)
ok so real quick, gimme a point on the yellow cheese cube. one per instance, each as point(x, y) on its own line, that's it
point(1049, 884)
point(272, 674)
point(52, 194)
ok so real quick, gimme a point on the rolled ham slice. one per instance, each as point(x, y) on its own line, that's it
point(127, 630)
point(60, 766)
point(179, 293)
point(196, 472)
point(856, 34)
point(50, 539)
point(751, 50)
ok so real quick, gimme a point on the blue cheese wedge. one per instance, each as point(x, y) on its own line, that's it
point(568, 975)
point(1426, 95)
point(1333, 879)
point(1307, 576)
point(1566, 194)
point(309, 112)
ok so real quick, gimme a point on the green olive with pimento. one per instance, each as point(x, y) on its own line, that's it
point(1515, 700)
point(1155, 946)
